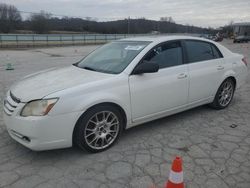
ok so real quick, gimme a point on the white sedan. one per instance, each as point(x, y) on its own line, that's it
point(120, 85)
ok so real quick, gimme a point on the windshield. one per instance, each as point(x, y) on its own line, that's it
point(113, 57)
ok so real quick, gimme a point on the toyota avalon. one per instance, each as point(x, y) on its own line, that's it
point(121, 84)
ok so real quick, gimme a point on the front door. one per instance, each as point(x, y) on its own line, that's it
point(156, 93)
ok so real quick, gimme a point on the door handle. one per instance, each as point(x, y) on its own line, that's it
point(182, 75)
point(220, 67)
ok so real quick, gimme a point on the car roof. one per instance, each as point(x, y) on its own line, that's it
point(157, 39)
point(160, 38)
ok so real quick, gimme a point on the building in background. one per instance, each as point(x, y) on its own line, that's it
point(241, 32)
point(241, 29)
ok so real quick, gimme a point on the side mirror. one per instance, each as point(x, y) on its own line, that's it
point(146, 67)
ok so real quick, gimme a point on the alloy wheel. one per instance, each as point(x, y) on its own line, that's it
point(226, 93)
point(101, 130)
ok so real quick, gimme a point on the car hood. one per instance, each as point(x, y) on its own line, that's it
point(41, 84)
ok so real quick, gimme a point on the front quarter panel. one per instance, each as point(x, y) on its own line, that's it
point(81, 98)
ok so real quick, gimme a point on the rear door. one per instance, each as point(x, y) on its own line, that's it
point(206, 67)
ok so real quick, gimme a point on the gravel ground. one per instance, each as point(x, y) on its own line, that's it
point(215, 145)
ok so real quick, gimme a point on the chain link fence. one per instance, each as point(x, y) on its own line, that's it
point(36, 40)
point(33, 40)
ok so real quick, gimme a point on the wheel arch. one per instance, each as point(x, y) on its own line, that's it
point(117, 106)
point(229, 74)
point(214, 104)
point(233, 79)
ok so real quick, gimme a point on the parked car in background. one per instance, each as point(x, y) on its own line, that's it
point(205, 36)
point(120, 85)
point(218, 37)
point(240, 39)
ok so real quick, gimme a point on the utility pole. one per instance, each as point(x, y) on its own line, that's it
point(128, 24)
point(159, 22)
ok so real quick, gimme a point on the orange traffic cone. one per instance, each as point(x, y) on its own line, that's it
point(176, 175)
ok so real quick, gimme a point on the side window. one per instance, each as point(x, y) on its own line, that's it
point(166, 55)
point(216, 52)
point(198, 51)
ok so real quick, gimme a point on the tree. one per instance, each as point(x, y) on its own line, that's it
point(40, 22)
point(9, 18)
point(167, 19)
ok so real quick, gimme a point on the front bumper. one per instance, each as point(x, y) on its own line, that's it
point(41, 132)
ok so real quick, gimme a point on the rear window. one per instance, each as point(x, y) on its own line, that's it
point(201, 51)
point(216, 52)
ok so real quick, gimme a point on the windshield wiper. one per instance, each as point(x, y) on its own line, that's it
point(75, 64)
point(89, 68)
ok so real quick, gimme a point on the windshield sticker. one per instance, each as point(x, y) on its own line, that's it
point(137, 47)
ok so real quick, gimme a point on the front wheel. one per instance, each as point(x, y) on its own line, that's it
point(98, 128)
point(224, 94)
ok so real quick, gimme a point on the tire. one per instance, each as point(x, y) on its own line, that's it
point(224, 96)
point(98, 128)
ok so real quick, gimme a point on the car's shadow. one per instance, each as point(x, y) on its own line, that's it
point(145, 127)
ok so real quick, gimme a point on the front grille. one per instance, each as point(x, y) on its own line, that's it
point(10, 103)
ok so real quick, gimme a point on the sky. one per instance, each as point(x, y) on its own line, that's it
point(204, 13)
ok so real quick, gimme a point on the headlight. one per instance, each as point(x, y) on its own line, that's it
point(38, 107)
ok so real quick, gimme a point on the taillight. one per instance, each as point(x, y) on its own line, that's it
point(244, 60)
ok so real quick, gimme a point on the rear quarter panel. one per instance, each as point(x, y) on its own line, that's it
point(233, 66)
point(240, 69)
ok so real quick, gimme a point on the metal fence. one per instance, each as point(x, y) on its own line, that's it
point(32, 40)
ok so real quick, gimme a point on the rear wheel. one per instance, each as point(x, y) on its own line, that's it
point(98, 128)
point(224, 94)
